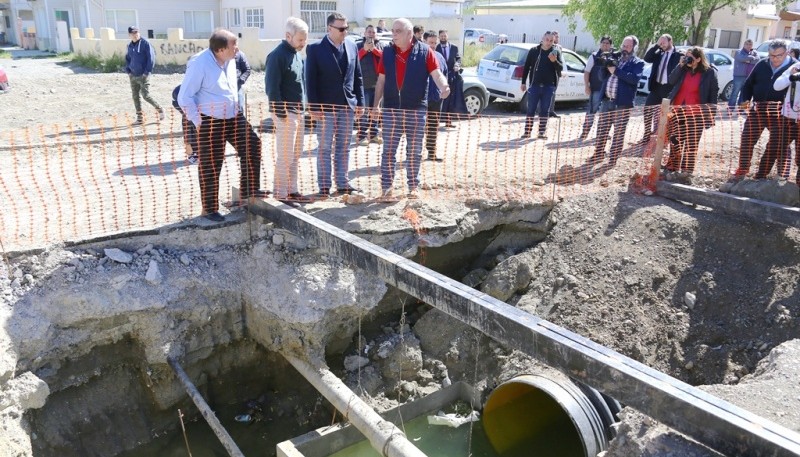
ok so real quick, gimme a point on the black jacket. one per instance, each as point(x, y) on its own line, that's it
point(758, 85)
point(709, 91)
point(546, 72)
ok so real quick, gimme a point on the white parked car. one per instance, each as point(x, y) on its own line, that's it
point(483, 37)
point(722, 61)
point(763, 48)
point(501, 71)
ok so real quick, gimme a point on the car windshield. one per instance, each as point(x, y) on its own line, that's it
point(507, 54)
point(763, 47)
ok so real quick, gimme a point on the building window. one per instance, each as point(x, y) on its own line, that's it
point(197, 23)
point(730, 39)
point(787, 32)
point(316, 14)
point(712, 37)
point(233, 17)
point(254, 17)
point(120, 20)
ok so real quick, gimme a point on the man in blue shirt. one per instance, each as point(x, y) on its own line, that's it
point(139, 61)
point(209, 96)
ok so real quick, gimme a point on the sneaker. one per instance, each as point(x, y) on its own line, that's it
point(138, 121)
point(192, 159)
point(161, 115)
point(214, 217)
point(413, 194)
point(434, 159)
point(323, 193)
point(363, 142)
point(376, 140)
point(542, 136)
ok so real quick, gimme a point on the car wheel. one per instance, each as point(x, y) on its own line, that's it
point(523, 104)
point(726, 92)
point(474, 101)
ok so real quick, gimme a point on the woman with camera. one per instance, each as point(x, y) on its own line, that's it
point(694, 98)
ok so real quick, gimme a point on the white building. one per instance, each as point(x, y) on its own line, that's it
point(45, 24)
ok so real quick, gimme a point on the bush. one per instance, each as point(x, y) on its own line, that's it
point(114, 63)
point(472, 55)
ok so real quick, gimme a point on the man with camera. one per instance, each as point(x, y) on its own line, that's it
point(619, 92)
point(664, 58)
point(594, 76)
point(370, 52)
point(763, 111)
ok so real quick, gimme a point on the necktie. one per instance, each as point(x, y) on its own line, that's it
point(664, 62)
point(445, 49)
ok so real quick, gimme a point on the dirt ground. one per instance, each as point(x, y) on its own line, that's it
point(699, 295)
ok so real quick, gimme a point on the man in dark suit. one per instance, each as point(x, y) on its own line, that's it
point(335, 91)
point(664, 58)
point(450, 53)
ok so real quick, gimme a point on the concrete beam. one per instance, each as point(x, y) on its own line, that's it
point(708, 419)
point(757, 210)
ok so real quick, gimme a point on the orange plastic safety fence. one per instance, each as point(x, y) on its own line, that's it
point(95, 177)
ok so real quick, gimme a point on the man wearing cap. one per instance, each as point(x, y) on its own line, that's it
point(139, 62)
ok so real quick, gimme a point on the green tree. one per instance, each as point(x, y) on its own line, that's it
point(649, 19)
point(617, 18)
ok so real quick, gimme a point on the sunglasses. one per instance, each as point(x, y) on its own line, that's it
point(341, 29)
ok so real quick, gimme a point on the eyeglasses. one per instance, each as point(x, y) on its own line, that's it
point(341, 29)
point(776, 56)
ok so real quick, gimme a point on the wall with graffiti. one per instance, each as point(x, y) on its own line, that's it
point(174, 50)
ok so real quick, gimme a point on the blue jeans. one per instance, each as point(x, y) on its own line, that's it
point(334, 133)
point(539, 96)
point(396, 123)
point(738, 83)
point(367, 128)
point(594, 106)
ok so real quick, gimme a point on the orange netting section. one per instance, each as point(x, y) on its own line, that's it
point(75, 181)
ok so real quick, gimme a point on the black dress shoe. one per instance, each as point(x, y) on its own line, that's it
point(553, 114)
point(214, 217)
point(262, 193)
point(346, 191)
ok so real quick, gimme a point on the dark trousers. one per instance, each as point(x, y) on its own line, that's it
point(616, 116)
point(212, 136)
point(367, 127)
point(792, 133)
point(431, 127)
point(763, 115)
point(652, 111)
point(685, 130)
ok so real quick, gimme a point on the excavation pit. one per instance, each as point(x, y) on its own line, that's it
point(258, 289)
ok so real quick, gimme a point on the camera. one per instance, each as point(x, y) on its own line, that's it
point(794, 78)
point(608, 59)
point(687, 59)
point(369, 41)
